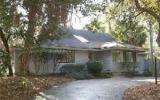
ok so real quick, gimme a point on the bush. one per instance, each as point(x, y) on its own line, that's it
point(94, 67)
point(147, 73)
point(79, 75)
point(77, 71)
point(71, 68)
point(105, 75)
point(129, 74)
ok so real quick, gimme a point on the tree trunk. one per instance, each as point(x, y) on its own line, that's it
point(158, 37)
point(5, 43)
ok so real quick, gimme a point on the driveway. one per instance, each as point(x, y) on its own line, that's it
point(95, 89)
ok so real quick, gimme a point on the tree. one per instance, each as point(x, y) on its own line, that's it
point(125, 26)
point(130, 33)
point(6, 21)
point(152, 8)
point(43, 19)
point(148, 9)
point(95, 26)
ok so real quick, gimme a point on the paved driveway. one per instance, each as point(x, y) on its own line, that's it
point(96, 89)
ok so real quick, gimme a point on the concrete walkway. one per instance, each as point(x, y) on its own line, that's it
point(96, 89)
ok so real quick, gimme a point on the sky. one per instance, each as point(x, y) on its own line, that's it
point(78, 21)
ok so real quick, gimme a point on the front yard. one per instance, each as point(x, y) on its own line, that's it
point(25, 88)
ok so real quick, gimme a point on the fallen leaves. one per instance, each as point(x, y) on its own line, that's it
point(143, 92)
point(25, 88)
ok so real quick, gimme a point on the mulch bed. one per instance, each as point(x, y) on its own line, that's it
point(143, 92)
point(25, 88)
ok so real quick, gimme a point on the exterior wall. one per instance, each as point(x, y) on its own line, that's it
point(81, 56)
point(141, 63)
point(42, 68)
point(49, 68)
point(117, 66)
point(106, 58)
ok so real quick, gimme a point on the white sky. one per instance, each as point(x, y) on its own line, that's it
point(78, 21)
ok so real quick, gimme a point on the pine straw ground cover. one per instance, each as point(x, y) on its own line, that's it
point(143, 92)
point(25, 88)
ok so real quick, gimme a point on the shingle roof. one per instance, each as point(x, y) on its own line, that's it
point(83, 39)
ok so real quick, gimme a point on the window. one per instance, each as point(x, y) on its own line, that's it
point(117, 56)
point(66, 56)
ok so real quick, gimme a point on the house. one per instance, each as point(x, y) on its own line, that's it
point(80, 46)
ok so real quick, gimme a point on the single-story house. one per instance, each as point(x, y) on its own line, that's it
point(80, 46)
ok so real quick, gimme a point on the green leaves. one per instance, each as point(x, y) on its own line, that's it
point(130, 32)
point(95, 26)
point(4, 61)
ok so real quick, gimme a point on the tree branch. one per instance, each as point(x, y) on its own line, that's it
point(4, 40)
point(149, 11)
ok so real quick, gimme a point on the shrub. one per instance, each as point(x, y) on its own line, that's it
point(79, 75)
point(147, 73)
point(77, 71)
point(71, 68)
point(94, 67)
point(105, 75)
point(129, 74)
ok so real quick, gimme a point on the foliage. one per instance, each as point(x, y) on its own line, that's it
point(130, 74)
point(3, 62)
point(95, 26)
point(72, 68)
point(94, 67)
point(121, 23)
point(139, 12)
point(27, 23)
point(147, 73)
point(81, 75)
point(130, 32)
point(105, 75)
point(147, 9)
point(77, 71)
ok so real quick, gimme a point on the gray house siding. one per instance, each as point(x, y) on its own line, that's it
point(106, 58)
point(43, 67)
point(47, 67)
point(141, 63)
point(81, 57)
